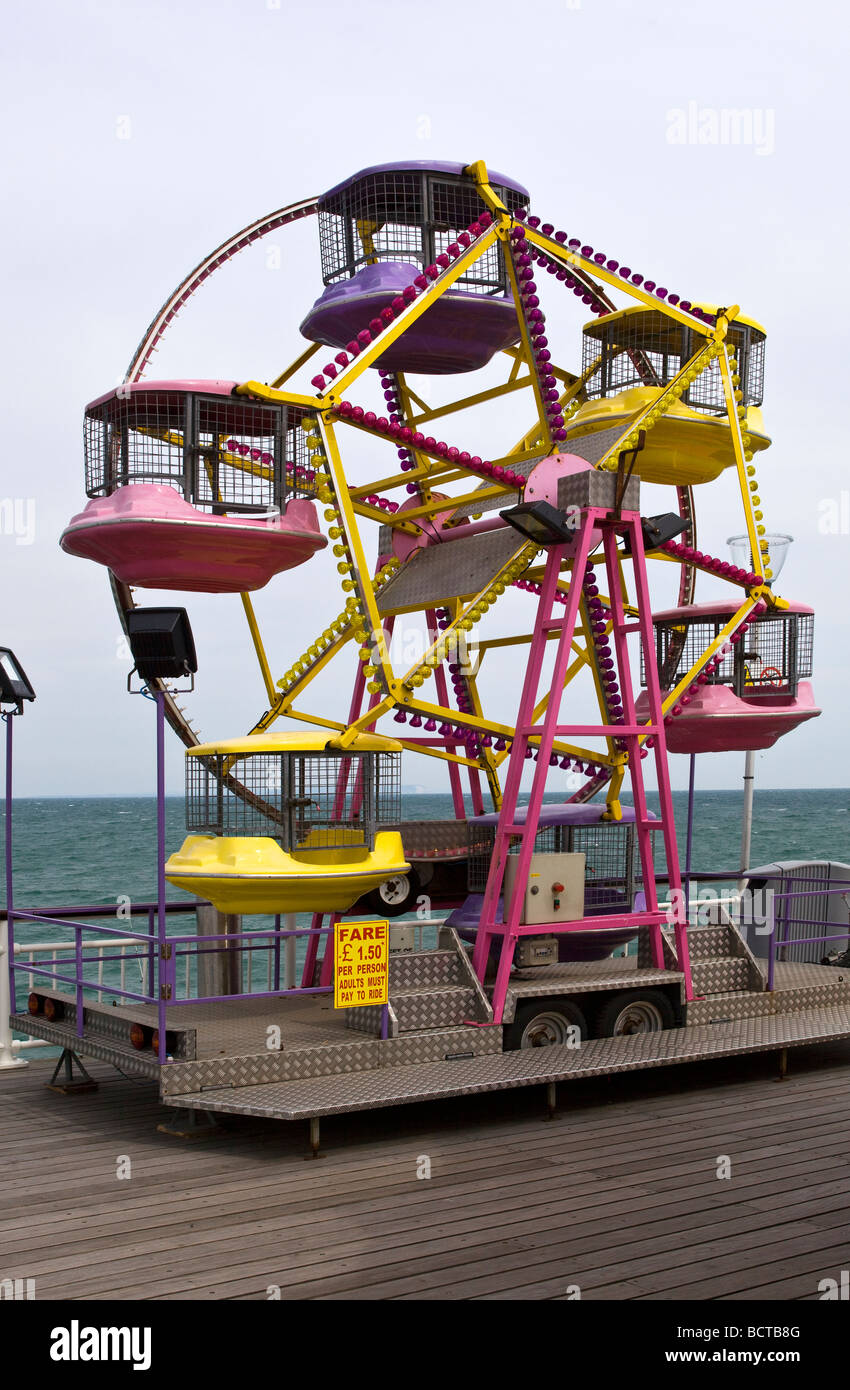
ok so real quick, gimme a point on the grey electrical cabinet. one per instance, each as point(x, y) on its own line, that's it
point(796, 899)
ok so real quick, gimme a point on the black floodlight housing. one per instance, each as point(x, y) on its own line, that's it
point(161, 642)
point(658, 529)
point(14, 686)
point(541, 523)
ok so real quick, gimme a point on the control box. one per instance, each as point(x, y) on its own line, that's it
point(402, 938)
point(536, 950)
point(554, 891)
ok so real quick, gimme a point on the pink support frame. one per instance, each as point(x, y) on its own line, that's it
point(628, 733)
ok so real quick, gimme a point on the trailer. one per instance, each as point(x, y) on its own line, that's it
point(296, 1057)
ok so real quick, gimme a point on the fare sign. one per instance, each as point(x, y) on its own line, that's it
point(361, 963)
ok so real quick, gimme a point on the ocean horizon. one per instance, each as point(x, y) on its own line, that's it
point(96, 849)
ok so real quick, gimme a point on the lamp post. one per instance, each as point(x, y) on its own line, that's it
point(14, 690)
point(162, 646)
point(777, 547)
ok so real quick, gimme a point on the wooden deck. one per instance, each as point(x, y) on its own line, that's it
point(618, 1194)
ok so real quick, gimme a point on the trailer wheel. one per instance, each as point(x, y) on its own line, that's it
point(635, 1011)
point(394, 896)
point(547, 1023)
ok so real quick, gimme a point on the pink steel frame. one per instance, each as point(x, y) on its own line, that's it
point(628, 735)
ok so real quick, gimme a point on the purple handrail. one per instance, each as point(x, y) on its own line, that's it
point(265, 939)
point(838, 887)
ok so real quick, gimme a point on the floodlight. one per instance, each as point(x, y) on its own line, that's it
point(14, 686)
point(659, 529)
point(541, 523)
point(161, 642)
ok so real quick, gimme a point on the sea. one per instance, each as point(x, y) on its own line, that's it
point(101, 851)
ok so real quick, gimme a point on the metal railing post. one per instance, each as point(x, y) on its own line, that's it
point(78, 963)
point(771, 950)
point(165, 971)
point(8, 1058)
point(289, 954)
point(7, 931)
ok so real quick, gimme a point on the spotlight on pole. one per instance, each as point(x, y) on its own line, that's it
point(162, 645)
point(161, 642)
point(14, 686)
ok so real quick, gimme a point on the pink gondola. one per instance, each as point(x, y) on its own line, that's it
point(757, 692)
point(193, 488)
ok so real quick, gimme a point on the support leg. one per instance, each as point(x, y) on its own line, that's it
point(193, 1125)
point(783, 1064)
point(71, 1083)
point(326, 975)
point(312, 952)
point(551, 1100)
point(314, 1138)
point(503, 972)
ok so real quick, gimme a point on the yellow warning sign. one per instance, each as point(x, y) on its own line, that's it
point(361, 963)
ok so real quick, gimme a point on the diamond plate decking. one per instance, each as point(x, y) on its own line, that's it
point(454, 569)
point(339, 1095)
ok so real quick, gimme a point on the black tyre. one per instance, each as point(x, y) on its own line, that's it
point(394, 897)
point(546, 1023)
point(635, 1011)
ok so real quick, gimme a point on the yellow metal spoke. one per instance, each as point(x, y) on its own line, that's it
point(561, 253)
point(300, 361)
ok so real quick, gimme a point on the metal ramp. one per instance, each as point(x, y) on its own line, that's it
point(442, 573)
point(405, 1085)
point(595, 445)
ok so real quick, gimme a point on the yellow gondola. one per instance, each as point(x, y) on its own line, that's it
point(289, 822)
point(631, 356)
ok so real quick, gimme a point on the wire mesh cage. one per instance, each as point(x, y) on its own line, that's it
point(771, 659)
point(612, 863)
point(407, 215)
point(306, 801)
point(647, 348)
point(223, 453)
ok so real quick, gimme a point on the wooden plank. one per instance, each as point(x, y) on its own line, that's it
point(115, 1223)
point(465, 1186)
point(511, 1199)
point(343, 1269)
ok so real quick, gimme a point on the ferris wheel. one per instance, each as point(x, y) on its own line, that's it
point(441, 270)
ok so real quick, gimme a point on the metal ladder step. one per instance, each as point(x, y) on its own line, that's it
point(709, 943)
point(721, 975)
point(419, 1010)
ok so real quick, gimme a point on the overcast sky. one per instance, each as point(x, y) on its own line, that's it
point(138, 136)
